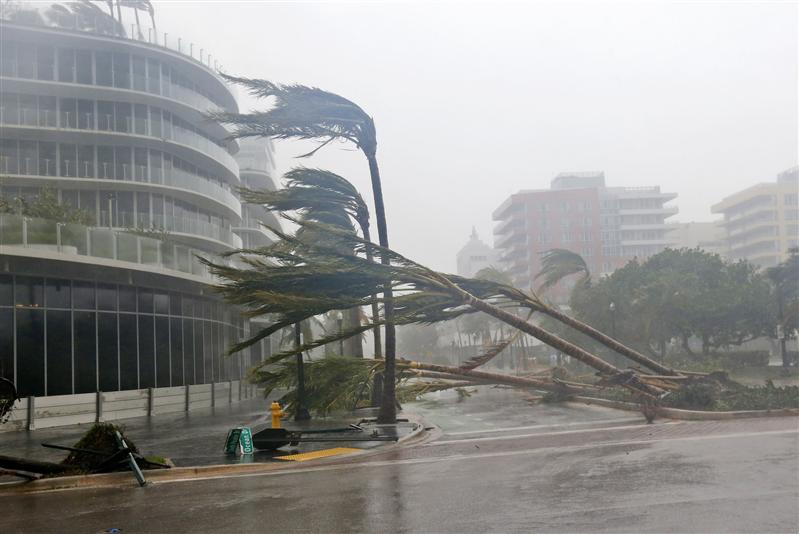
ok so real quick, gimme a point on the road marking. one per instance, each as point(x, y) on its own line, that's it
point(559, 433)
point(535, 427)
point(470, 457)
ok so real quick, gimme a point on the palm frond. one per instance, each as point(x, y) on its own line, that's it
point(559, 263)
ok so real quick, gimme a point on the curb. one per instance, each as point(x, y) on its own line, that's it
point(689, 415)
point(126, 480)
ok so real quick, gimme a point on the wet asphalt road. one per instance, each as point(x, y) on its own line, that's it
point(500, 465)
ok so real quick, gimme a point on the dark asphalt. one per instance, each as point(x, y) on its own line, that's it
point(514, 468)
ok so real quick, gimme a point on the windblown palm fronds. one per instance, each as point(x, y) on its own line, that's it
point(559, 263)
point(315, 278)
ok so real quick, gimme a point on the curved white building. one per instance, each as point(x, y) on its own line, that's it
point(115, 127)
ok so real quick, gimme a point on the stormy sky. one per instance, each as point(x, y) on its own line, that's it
point(474, 101)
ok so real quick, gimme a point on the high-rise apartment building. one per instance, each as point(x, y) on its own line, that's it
point(115, 128)
point(761, 223)
point(607, 226)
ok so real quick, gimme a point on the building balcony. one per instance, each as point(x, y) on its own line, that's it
point(48, 239)
point(666, 211)
point(193, 148)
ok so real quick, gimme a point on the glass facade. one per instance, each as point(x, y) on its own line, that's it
point(60, 336)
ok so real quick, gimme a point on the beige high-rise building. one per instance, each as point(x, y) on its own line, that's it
point(761, 222)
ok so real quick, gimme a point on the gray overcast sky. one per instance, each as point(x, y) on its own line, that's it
point(474, 101)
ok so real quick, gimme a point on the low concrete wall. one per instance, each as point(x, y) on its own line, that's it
point(59, 410)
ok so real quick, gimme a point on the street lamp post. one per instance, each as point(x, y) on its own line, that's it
point(612, 308)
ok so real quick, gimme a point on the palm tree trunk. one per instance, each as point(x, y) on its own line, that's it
point(550, 339)
point(377, 386)
point(119, 17)
point(608, 341)
point(388, 406)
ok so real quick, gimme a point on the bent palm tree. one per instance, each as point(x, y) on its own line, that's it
point(317, 278)
point(557, 264)
point(322, 196)
point(309, 113)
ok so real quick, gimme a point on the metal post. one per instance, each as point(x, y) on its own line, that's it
point(239, 390)
point(230, 392)
point(149, 402)
point(31, 413)
point(188, 398)
point(99, 407)
point(213, 394)
point(302, 412)
point(25, 231)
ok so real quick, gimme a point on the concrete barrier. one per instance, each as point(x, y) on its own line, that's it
point(31, 413)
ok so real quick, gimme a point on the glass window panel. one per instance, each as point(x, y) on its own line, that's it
point(145, 301)
point(108, 351)
point(88, 202)
point(139, 74)
point(59, 352)
point(140, 119)
point(29, 291)
point(199, 350)
point(161, 303)
point(175, 303)
point(57, 293)
point(48, 166)
point(146, 352)
point(26, 61)
point(8, 59)
point(83, 64)
point(155, 122)
point(30, 352)
point(105, 162)
point(45, 62)
point(123, 117)
point(107, 297)
point(66, 65)
point(140, 164)
point(86, 161)
point(48, 114)
point(122, 70)
point(162, 351)
point(127, 298)
point(153, 76)
point(103, 65)
point(188, 351)
point(105, 115)
point(128, 360)
point(122, 160)
point(143, 210)
point(85, 336)
point(68, 155)
point(6, 290)
point(83, 295)
point(176, 351)
point(86, 115)
point(29, 157)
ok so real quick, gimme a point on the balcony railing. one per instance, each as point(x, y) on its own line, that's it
point(77, 240)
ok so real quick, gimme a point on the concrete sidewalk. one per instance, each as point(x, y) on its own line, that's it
point(196, 438)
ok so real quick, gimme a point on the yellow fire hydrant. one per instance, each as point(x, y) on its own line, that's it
point(277, 413)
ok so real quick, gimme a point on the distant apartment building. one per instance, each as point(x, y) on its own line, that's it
point(707, 236)
point(475, 255)
point(607, 226)
point(761, 223)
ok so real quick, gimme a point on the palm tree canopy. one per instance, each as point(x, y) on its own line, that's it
point(320, 195)
point(301, 112)
point(557, 264)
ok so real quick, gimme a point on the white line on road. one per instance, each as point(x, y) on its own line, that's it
point(559, 433)
point(536, 427)
point(477, 456)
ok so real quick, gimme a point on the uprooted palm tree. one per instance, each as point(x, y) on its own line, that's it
point(314, 278)
point(308, 113)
